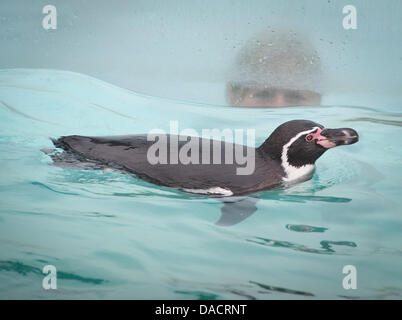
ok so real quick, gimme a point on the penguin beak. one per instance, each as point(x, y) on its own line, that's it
point(330, 138)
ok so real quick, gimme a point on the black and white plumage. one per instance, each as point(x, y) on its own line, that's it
point(287, 156)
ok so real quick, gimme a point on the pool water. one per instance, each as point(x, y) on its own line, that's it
point(111, 235)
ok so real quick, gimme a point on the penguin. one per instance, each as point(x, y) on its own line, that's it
point(288, 156)
point(285, 158)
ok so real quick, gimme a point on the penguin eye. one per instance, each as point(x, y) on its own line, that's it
point(309, 137)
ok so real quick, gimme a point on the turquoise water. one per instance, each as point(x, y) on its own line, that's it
point(112, 235)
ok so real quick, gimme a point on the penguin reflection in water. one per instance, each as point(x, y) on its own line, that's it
point(286, 157)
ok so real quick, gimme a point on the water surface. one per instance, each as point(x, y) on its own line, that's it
point(112, 235)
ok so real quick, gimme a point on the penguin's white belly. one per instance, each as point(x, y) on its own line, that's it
point(214, 190)
point(298, 173)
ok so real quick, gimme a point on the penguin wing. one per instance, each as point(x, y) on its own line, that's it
point(236, 209)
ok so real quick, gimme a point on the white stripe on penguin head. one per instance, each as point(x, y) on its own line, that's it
point(292, 172)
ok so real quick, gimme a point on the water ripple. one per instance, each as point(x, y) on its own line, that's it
point(394, 123)
point(325, 244)
point(304, 228)
point(24, 269)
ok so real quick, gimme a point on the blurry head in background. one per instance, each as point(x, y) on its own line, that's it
point(276, 69)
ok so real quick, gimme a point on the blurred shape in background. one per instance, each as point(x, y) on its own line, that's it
point(276, 69)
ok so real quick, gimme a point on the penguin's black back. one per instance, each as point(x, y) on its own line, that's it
point(130, 154)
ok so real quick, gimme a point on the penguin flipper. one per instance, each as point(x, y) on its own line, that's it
point(236, 209)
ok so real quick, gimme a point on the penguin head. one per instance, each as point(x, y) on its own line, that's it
point(302, 142)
